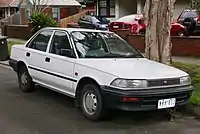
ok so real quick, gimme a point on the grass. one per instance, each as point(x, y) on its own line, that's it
point(194, 71)
point(11, 43)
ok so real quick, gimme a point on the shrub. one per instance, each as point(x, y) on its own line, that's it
point(40, 20)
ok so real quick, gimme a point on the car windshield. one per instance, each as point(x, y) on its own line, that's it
point(95, 20)
point(190, 14)
point(130, 18)
point(102, 45)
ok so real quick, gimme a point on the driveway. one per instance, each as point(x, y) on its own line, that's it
point(47, 112)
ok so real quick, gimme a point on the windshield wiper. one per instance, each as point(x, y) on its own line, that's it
point(110, 55)
point(132, 56)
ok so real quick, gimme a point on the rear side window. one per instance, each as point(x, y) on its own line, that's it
point(188, 14)
point(60, 41)
point(40, 42)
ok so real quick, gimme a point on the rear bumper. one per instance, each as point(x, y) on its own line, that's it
point(148, 99)
point(13, 64)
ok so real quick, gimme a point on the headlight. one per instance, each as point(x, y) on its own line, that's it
point(185, 80)
point(123, 83)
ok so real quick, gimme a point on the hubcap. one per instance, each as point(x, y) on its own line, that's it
point(24, 78)
point(181, 34)
point(90, 102)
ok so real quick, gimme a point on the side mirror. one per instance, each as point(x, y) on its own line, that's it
point(67, 52)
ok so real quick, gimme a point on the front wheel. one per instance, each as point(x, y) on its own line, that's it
point(25, 81)
point(92, 104)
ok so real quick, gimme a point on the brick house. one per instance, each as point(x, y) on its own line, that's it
point(57, 9)
point(8, 8)
point(114, 9)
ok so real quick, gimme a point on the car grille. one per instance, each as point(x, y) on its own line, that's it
point(163, 82)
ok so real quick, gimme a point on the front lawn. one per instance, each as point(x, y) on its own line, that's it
point(11, 43)
point(194, 71)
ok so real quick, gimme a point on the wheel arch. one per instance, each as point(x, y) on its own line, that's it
point(19, 63)
point(83, 81)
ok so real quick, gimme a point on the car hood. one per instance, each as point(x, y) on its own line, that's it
point(121, 22)
point(133, 68)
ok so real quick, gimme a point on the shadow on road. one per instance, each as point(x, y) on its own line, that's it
point(119, 117)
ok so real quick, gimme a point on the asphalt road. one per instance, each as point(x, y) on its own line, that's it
point(47, 112)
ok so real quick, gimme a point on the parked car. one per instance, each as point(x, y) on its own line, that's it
point(92, 22)
point(103, 19)
point(99, 70)
point(190, 19)
point(136, 25)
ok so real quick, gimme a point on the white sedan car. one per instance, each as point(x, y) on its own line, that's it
point(100, 70)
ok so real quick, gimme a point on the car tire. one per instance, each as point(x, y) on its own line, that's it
point(92, 104)
point(25, 81)
point(181, 33)
point(142, 32)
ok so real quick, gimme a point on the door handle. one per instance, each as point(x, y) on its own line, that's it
point(28, 54)
point(47, 59)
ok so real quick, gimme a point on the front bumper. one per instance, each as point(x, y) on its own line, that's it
point(148, 98)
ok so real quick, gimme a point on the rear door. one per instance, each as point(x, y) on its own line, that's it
point(35, 55)
point(61, 66)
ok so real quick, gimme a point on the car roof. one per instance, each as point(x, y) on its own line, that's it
point(189, 10)
point(75, 29)
point(130, 17)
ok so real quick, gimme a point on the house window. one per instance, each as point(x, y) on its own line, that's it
point(12, 11)
point(55, 13)
point(107, 8)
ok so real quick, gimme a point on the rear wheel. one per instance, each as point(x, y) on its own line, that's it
point(25, 81)
point(92, 104)
point(181, 33)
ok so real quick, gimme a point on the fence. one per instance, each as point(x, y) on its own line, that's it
point(181, 46)
point(72, 19)
point(17, 31)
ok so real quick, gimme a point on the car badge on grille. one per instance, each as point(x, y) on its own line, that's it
point(165, 82)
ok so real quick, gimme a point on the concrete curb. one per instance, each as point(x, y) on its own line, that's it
point(194, 111)
point(191, 110)
point(5, 63)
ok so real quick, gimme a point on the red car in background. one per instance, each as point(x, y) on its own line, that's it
point(135, 24)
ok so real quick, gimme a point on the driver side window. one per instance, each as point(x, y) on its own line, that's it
point(60, 41)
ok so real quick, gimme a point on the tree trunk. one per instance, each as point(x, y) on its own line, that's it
point(158, 15)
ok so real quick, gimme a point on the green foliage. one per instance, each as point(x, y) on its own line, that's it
point(195, 4)
point(194, 72)
point(192, 69)
point(195, 99)
point(40, 20)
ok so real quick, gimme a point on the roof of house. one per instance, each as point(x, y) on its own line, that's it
point(9, 3)
point(57, 2)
